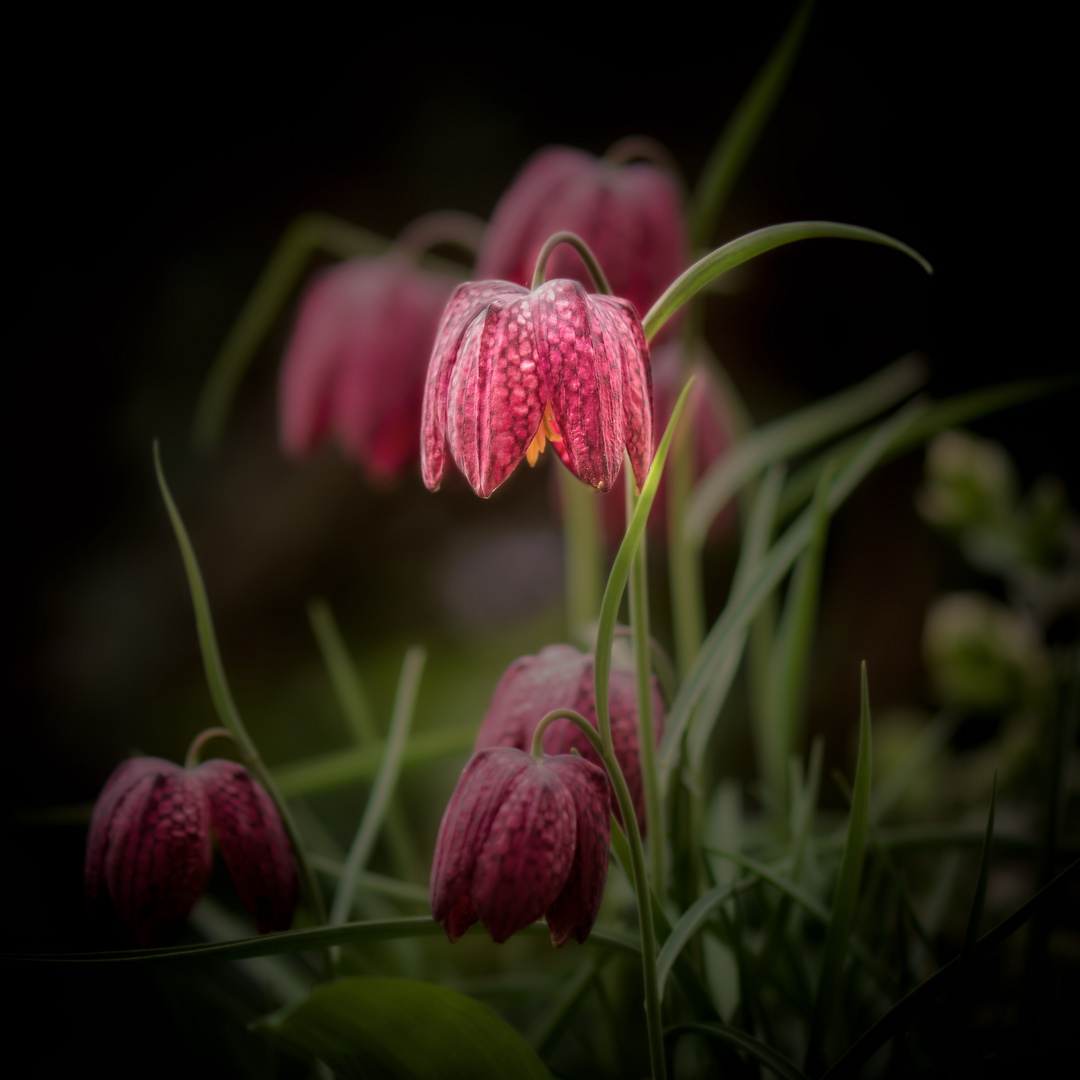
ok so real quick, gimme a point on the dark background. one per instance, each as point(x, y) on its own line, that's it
point(150, 184)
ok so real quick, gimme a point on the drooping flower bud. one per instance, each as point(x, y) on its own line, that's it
point(629, 215)
point(149, 846)
point(561, 677)
point(513, 368)
point(149, 849)
point(356, 362)
point(253, 843)
point(522, 839)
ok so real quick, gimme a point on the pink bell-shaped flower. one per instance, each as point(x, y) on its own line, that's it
point(149, 848)
point(357, 359)
point(522, 839)
point(629, 215)
point(561, 677)
point(513, 368)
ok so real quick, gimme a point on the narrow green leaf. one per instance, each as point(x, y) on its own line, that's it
point(901, 1015)
point(842, 917)
point(364, 1027)
point(742, 131)
point(738, 612)
point(754, 1048)
point(971, 934)
point(344, 677)
point(798, 432)
point(307, 234)
point(385, 780)
point(318, 937)
point(324, 772)
point(940, 416)
point(736, 252)
point(929, 745)
point(222, 696)
point(553, 1022)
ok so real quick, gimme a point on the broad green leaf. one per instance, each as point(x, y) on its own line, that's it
point(548, 1029)
point(842, 917)
point(742, 131)
point(406, 1030)
point(743, 248)
point(798, 432)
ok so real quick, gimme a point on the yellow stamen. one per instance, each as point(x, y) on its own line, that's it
point(546, 430)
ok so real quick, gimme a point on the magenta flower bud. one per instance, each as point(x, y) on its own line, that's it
point(149, 847)
point(522, 839)
point(356, 362)
point(629, 215)
point(560, 677)
point(513, 368)
point(253, 843)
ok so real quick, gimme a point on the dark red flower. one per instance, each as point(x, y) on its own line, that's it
point(561, 677)
point(522, 839)
point(357, 359)
point(513, 368)
point(149, 847)
point(629, 215)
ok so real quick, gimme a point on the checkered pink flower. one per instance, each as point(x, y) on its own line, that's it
point(149, 849)
point(522, 839)
point(356, 361)
point(629, 215)
point(513, 368)
point(560, 677)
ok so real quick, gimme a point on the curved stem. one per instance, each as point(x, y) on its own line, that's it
point(462, 230)
point(576, 719)
point(201, 740)
point(583, 249)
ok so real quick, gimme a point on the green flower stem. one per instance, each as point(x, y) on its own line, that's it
point(579, 721)
point(200, 740)
point(223, 700)
point(583, 553)
point(442, 227)
point(684, 557)
point(605, 633)
point(639, 621)
point(583, 249)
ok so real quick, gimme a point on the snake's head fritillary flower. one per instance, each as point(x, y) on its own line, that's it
point(513, 368)
point(357, 359)
point(561, 677)
point(149, 846)
point(149, 849)
point(253, 843)
point(522, 839)
point(631, 216)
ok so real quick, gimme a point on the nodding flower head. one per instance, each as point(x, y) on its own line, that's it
point(631, 216)
point(149, 848)
point(356, 362)
point(522, 839)
point(560, 677)
point(513, 368)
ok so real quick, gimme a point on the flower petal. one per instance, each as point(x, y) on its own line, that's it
point(583, 383)
point(494, 402)
point(466, 303)
point(472, 809)
point(253, 843)
point(574, 910)
point(529, 852)
point(151, 846)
